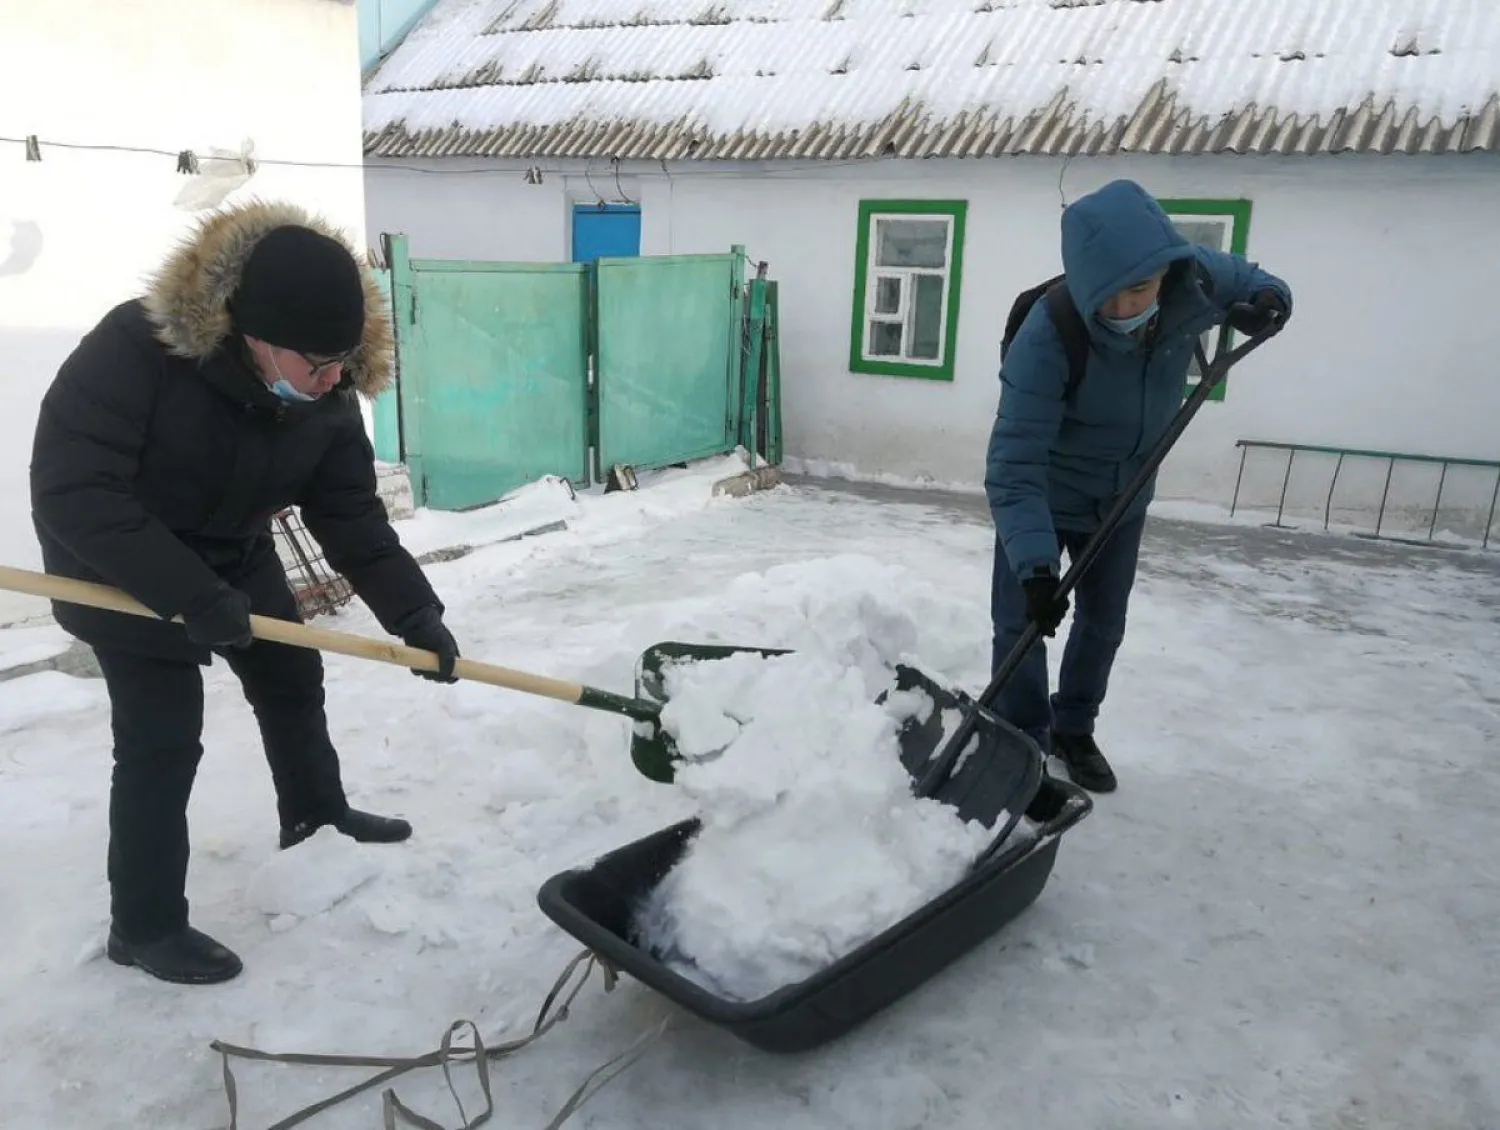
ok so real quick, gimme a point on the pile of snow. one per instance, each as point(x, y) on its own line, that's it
point(812, 841)
point(542, 504)
point(326, 870)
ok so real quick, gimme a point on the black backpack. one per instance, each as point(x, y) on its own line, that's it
point(1069, 323)
point(1065, 316)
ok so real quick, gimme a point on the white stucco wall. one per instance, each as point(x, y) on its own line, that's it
point(80, 229)
point(468, 210)
point(1391, 261)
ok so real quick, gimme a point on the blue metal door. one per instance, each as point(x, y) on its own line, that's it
point(609, 231)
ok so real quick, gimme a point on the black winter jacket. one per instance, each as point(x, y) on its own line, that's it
point(160, 457)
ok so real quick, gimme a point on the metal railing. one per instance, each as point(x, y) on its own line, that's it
point(1391, 458)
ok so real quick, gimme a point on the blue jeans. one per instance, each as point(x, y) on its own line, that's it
point(1099, 603)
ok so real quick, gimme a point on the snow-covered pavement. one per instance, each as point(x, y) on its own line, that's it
point(1288, 915)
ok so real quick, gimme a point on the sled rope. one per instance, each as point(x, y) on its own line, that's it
point(396, 1114)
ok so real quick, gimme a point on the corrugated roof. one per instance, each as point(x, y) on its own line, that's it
point(843, 79)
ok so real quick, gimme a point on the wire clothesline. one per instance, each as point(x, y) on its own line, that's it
point(187, 161)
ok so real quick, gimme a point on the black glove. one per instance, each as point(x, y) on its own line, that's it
point(1256, 316)
point(1042, 604)
point(221, 620)
point(424, 628)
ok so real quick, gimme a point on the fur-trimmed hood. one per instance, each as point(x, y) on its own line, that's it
point(187, 299)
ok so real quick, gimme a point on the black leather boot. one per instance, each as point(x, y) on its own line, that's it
point(1087, 767)
point(187, 957)
point(362, 826)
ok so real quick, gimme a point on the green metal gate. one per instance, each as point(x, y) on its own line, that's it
point(508, 372)
point(668, 353)
point(494, 376)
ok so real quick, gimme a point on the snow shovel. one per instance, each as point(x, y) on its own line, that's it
point(933, 779)
point(650, 744)
point(979, 792)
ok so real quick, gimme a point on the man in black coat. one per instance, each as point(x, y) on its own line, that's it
point(174, 432)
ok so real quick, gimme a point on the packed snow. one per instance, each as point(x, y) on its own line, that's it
point(21, 646)
point(1286, 916)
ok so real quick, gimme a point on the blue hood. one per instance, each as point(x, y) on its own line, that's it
point(1112, 238)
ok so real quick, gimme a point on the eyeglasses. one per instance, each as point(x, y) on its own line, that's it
point(316, 365)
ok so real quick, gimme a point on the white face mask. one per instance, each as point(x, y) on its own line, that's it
point(283, 387)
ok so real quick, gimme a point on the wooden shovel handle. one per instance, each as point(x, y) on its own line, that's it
point(87, 593)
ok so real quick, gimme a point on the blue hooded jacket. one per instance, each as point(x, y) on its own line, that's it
point(1054, 466)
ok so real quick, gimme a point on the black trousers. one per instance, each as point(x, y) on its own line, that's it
point(156, 715)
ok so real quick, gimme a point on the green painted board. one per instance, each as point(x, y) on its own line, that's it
point(496, 366)
point(385, 410)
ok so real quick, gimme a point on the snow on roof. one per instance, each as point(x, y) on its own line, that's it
point(760, 79)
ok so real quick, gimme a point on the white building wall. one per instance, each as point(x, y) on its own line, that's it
point(1392, 264)
point(467, 210)
point(80, 229)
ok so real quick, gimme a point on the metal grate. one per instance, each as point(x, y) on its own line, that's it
point(318, 589)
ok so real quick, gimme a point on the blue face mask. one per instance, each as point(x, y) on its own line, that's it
point(1130, 325)
point(284, 390)
point(283, 387)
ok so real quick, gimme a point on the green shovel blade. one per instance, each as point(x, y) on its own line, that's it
point(651, 748)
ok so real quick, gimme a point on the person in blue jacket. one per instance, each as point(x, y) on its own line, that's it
point(1055, 467)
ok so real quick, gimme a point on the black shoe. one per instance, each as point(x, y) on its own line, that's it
point(1086, 766)
point(187, 957)
point(361, 826)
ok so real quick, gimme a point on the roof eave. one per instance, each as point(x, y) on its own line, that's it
point(1158, 127)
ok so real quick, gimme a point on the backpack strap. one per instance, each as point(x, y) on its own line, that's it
point(1074, 334)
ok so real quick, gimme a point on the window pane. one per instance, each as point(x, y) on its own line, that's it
point(912, 243)
point(885, 339)
point(887, 295)
point(1210, 231)
point(927, 318)
point(1206, 230)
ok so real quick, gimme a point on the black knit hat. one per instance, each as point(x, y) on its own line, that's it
point(301, 290)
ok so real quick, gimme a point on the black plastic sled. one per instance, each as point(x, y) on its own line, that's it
point(597, 904)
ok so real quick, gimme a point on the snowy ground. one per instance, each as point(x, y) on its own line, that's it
point(1288, 915)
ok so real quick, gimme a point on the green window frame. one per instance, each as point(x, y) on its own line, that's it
point(905, 324)
point(1225, 226)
